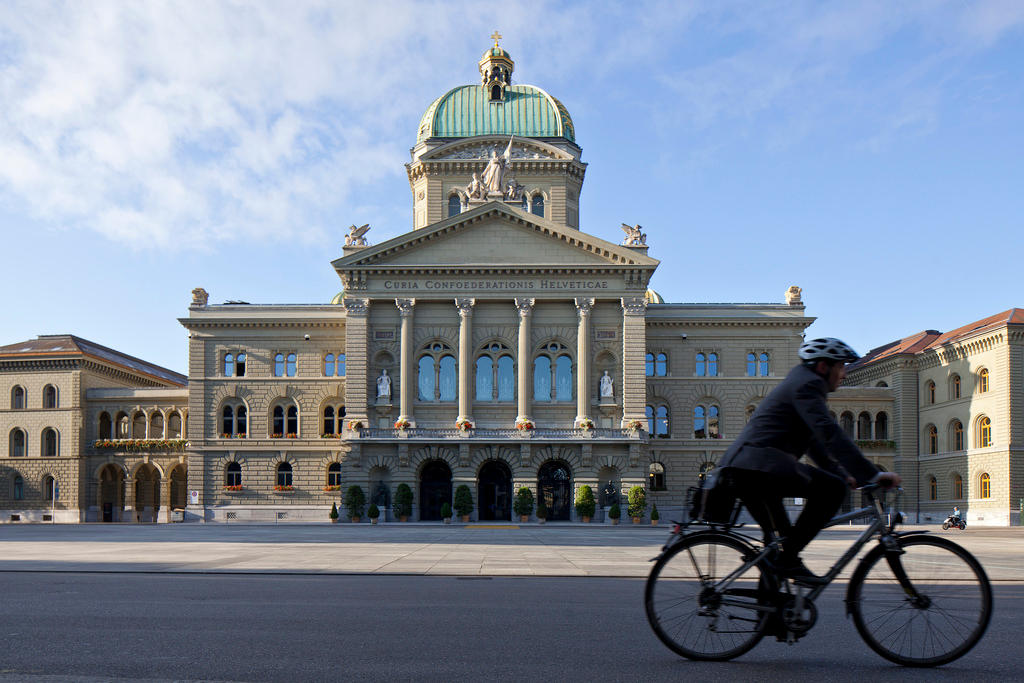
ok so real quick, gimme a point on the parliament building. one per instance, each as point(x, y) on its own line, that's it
point(497, 344)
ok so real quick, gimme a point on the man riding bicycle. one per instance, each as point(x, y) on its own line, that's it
point(762, 465)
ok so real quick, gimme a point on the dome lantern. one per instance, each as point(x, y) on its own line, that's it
point(496, 71)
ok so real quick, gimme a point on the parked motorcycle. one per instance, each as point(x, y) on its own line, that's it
point(955, 522)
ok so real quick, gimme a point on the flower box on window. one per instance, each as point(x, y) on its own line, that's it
point(586, 423)
point(634, 425)
point(464, 425)
point(291, 436)
point(525, 425)
point(402, 424)
point(276, 436)
point(330, 436)
point(335, 488)
point(280, 488)
point(232, 488)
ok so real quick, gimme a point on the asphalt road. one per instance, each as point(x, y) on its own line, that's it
point(57, 627)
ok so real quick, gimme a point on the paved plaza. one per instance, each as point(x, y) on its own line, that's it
point(411, 549)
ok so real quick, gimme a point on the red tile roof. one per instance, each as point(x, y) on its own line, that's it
point(56, 345)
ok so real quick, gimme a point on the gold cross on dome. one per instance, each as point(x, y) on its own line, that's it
point(495, 37)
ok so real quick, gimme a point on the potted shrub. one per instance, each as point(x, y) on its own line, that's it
point(585, 503)
point(654, 515)
point(334, 513)
point(403, 502)
point(373, 512)
point(446, 513)
point(463, 502)
point(637, 503)
point(523, 504)
point(542, 511)
point(355, 500)
point(614, 512)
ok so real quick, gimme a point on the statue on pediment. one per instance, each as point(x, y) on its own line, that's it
point(355, 238)
point(635, 237)
point(494, 173)
point(513, 190)
point(475, 189)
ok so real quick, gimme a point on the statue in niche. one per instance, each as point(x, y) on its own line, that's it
point(355, 238)
point(381, 496)
point(384, 386)
point(607, 388)
point(635, 237)
point(494, 173)
point(475, 189)
point(608, 495)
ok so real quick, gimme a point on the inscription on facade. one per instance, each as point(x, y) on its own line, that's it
point(508, 285)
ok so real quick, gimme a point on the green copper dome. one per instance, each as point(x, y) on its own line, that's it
point(527, 111)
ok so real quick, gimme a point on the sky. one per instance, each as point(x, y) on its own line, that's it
point(868, 152)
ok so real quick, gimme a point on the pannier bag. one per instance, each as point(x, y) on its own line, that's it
point(713, 501)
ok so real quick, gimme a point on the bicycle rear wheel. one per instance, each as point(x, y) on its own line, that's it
point(947, 619)
point(694, 619)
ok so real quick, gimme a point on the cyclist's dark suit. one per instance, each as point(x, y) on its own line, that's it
point(762, 464)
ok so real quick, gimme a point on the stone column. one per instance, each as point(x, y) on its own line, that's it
point(583, 307)
point(356, 359)
point(634, 348)
point(405, 381)
point(465, 307)
point(128, 512)
point(523, 383)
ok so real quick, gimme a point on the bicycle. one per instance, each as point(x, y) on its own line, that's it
point(917, 600)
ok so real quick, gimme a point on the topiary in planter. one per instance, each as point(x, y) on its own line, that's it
point(614, 512)
point(334, 512)
point(403, 501)
point(542, 509)
point(523, 504)
point(463, 501)
point(373, 512)
point(355, 501)
point(637, 501)
point(446, 511)
point(585, 503)
point(654, 513)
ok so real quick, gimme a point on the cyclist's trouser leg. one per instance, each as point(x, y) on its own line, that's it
point(762, 495)
point(824, 495)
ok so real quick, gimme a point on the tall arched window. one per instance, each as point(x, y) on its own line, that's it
point(958, 435)
point(18, 398)
point(284, 474)
point(986, 486)
point(929, 392)
point(864, 426)
point(537, 205)
point(983, 381)
point(933, 489)
point(341, 365)
point(49, 443)
point(234, 364)
point(846, 423)
point(984, 432)
point(506, 379)
point(329, 365)
point(334, 419)
point(542, 379)
point(552, 374)
point(334, 474)
point(660, 365)
point(714, 423)
point(958, 486)
point(882, 426)
point(156, 425)
point(656, 477)
point(234, 420)
point(427, 378)
point(706, 422)
point(285, 421)
point(139, 425)
point(18, 445)
point(649, 365)
point(563, 378)
point(933, 439)
point(762, 365)
point(751, 365)
point(438, 377)
point(174, 425)
point(448, 379)
point(50, 395)
point(233, 474)
point(454, 205)
point(106, 427)
point(657, 420)
point(712, 365)
point(49, 483)
point(701, 365)
point(484, 378)
point(954, 387)
point(495, 374)
point(18, 488)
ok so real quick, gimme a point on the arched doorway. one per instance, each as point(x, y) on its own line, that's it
point(179, 487)
point(110, 493)
point(554, 487)
point(435, 489)
point(147, 493)
point(494, 491)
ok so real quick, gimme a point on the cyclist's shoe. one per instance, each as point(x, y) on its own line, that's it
point(795, 569)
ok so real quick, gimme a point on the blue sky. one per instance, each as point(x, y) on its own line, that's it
point(868, 152)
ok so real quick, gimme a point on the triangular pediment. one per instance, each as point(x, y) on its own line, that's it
point(496, 236)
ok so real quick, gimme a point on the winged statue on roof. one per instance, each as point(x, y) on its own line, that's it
point(635, 237)
point(355, 238)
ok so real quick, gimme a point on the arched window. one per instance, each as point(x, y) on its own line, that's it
point(563, 378)
point(233, 474)
point(334, 419)
point(50, 395)
point(234, 364)
point(49, 443)
point(986, 486)
point(495, 93)
point(542, 379)
point(552, 374)
point(454, 204)
point(49, 483)
point(929, 392)
point(700, 422)
point(329, 365)
point(156, 425)
point(846, 423)
point(933, 489)
point(954, 387)
point(122, 426)
point(106, 429)
point(18, 443)
point(139, 425)
point(284, 474)
point(649, 365)
point(18, 488)
point(18, 398)
point(958, 435)
point(702, 367)
point(438, 376)
point(933, 439)
point(984, 432)
point(713, 423)
point(234, 420)
point(656, 477)
point(983, 381)
point(506, 379)
point(882, 384)
point(278, 365)
point(882, 426)
point(537, 205)
point(290, 365)
point(341, 365)
point(751, 365)
point(657, 420)
point(712, 365)
point(958, 486)
point(661, 365)
point(334, 474)
point(762, 365)
point(285, 421)
point(174, 425)
point(484, 378)
point(864, 426)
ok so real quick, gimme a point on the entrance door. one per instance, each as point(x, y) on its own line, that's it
point(554, 487)
point(435, 489)
point(110, 492)
point(495, 491)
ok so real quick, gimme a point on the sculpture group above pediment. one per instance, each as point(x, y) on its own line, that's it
point(482, 151)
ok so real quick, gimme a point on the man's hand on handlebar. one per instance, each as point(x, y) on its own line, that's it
point(888, 480)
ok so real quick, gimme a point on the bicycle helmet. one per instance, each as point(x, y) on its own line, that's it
point(827, 348)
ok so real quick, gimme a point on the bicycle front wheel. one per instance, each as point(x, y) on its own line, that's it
point(696, 617)
point(946, 619)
